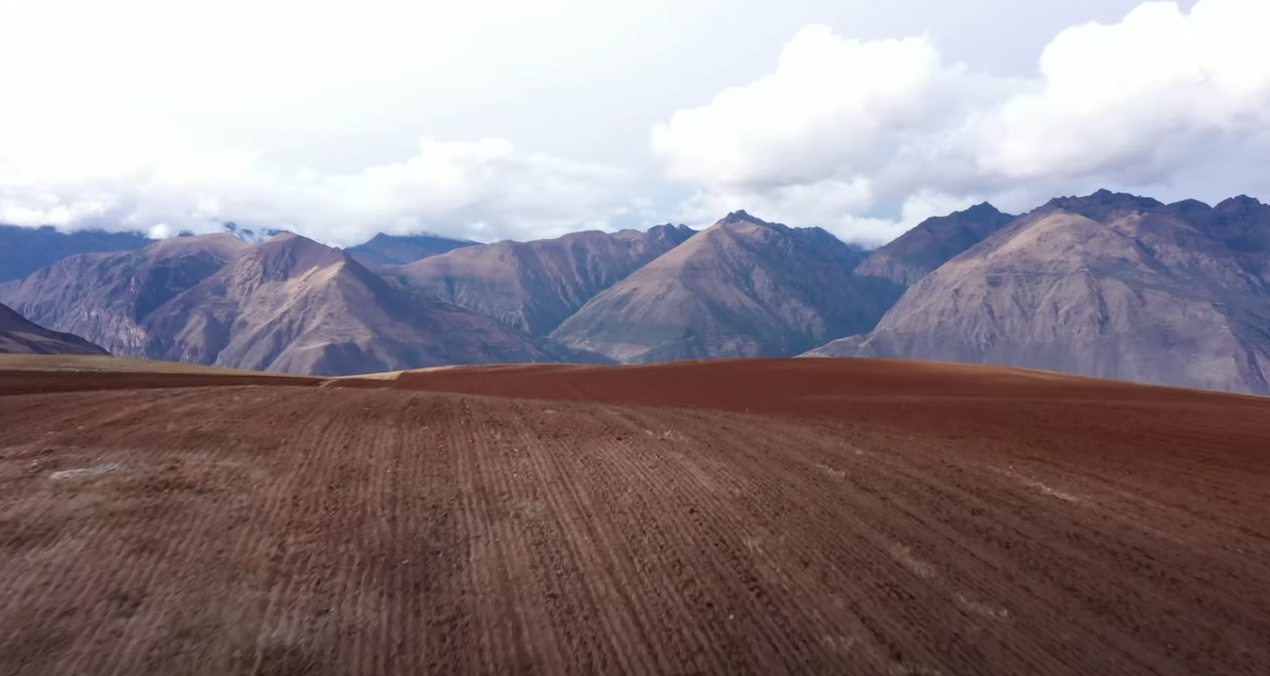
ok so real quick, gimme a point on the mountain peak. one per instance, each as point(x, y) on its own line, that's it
point(418, 237)
point(742, 288)
point(981, 209)
point(1238, 203)
point(1102, 203)
point(288, 254)
point(933, 242)
point(535, 285)
point(384, 249)
point(741, 216)
point(675, 233)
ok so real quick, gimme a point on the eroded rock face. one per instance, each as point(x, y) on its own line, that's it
point(741, 288)
point(1109, 285)
point(533, 286)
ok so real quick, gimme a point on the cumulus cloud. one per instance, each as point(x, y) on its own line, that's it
point(179, 116)
point(1160, 101)
point(162, 117)
point(484, 190)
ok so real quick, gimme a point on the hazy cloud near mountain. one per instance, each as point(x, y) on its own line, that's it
point(528, 119)
point(1160, 99)
point(485, 190)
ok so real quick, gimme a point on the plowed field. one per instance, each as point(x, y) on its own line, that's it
point(809, 516)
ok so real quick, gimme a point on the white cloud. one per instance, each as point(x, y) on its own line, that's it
point(487, 189)
point(136, 115)
point(139, 114)
point(1158, 101)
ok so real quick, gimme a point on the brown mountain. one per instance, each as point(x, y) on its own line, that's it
point(741, 288)
point(533, 286)
point(18, 335)
point(1107, 285)
point(107, 297)
point(399, 250)
point(25, 250)
point(289, 305)
point(932, 243)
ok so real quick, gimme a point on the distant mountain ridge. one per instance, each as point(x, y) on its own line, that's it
point(24, 250)
point(932, 243)
point(403, 249)
point(289, 305)
point(533, 286)
point(741, 288)
point(1108, 285)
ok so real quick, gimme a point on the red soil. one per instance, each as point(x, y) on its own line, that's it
point(805, 516)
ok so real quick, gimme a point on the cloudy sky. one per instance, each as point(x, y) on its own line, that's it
point(525, 119)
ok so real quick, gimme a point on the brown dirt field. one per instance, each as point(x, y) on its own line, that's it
point(42, 373)
point(98, 363)
point(858, 518)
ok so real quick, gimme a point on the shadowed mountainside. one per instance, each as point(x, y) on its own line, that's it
point(25, 250)
point(402, 249)
point(533, 286)
point(932, 243)
point(18, 335)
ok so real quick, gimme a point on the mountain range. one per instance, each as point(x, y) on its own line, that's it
point(1108, 285)
point(289, 304)
point(740, 288)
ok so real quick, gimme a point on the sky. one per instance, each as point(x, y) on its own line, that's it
point(528, 119)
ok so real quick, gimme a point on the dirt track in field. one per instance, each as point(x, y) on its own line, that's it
point(815, 516)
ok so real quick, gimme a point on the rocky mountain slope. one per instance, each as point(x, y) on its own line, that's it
point(25, 250)
point(1108, 285)
point(18, 335)
point(533, 286)
point(289, 305)
point(932, 243)
point(403, 249)
point(107, 297)
point(741, 288)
